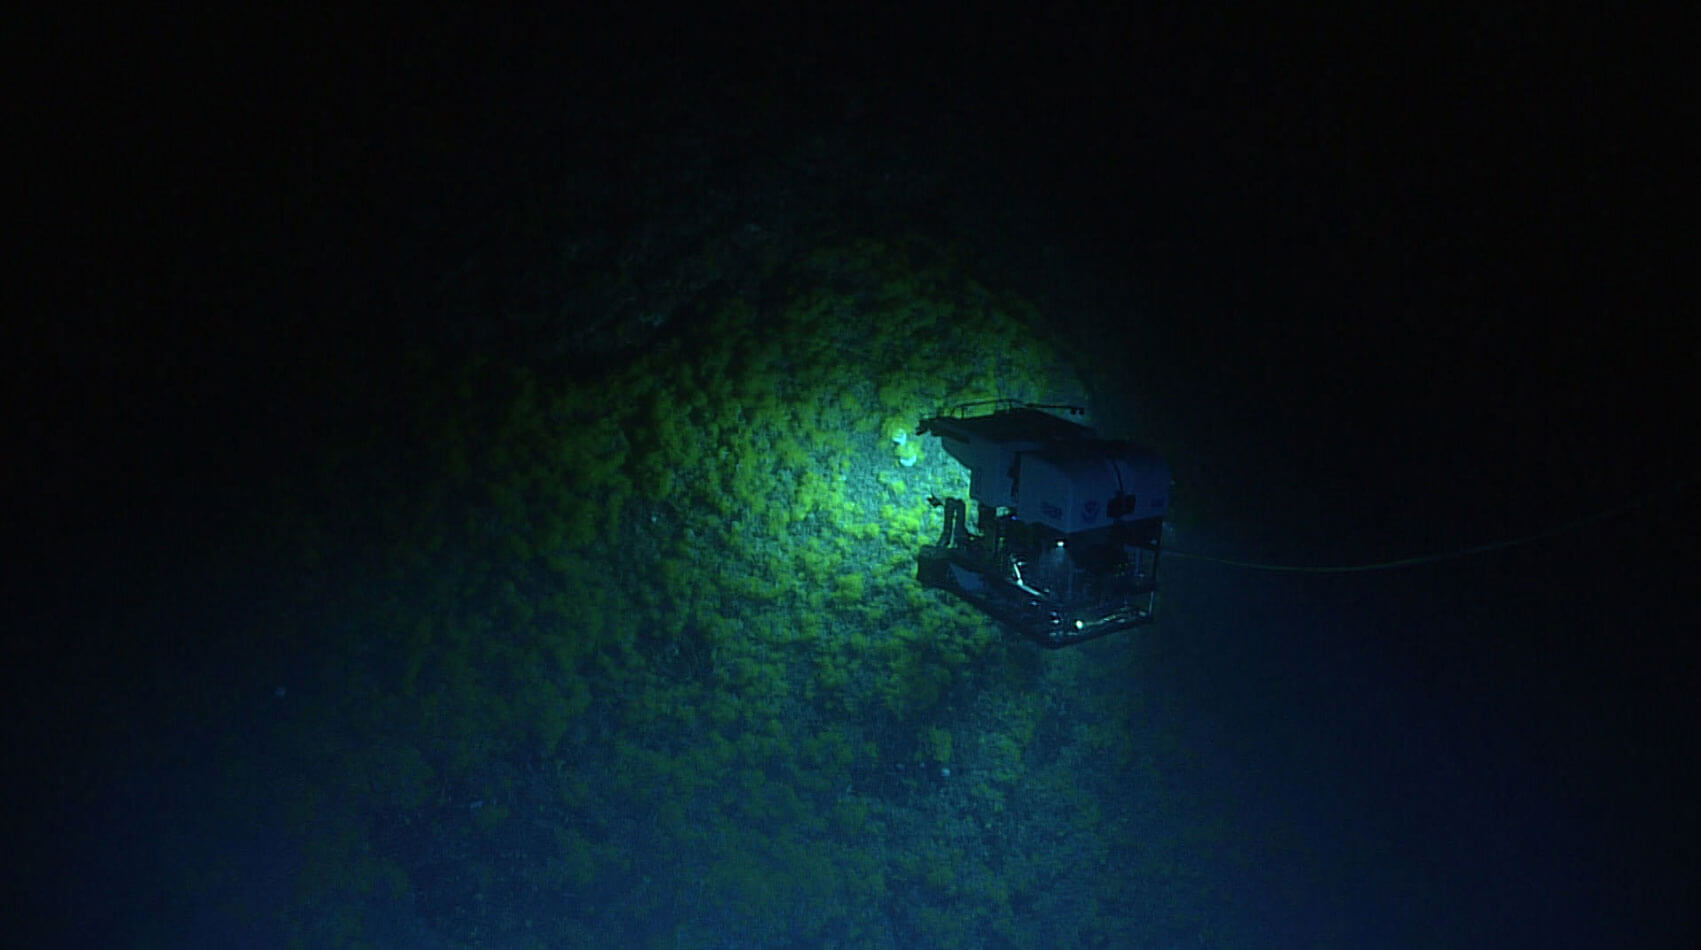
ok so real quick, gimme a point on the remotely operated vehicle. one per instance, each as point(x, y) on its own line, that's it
point(1059, 536)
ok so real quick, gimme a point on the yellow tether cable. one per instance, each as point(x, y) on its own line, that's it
point(1500, 545)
